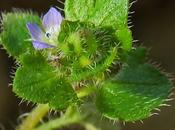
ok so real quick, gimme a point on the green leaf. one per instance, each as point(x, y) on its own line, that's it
point(100, 12)
point(64, 96)
point(124, 35)
point(15, 36)
point(135, 91)
point(37, 81)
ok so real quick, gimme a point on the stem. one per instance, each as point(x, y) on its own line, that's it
point(34, 117)
point(57, 123)
point(71, 116)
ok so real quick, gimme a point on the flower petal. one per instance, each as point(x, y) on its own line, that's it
point(52, 19)
point(35, 31)
point(41, 45)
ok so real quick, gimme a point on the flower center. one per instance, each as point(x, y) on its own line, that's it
point(48, 35)
point(52, 32)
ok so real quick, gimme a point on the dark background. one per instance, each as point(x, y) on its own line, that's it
point(154, 27)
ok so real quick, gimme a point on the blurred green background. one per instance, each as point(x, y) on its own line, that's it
point(154, 27)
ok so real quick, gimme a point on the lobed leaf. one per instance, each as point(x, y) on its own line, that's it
point(135, 91)
point(36, 81)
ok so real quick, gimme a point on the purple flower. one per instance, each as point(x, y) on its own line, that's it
point(51, 23)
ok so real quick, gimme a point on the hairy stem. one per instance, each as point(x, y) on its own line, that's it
point(57, 123)
point(34, 117)
point(71, 116)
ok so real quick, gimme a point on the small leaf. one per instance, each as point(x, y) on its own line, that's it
point(125, 37)
point(36, 81)
point(134, 92)
point(15, 36)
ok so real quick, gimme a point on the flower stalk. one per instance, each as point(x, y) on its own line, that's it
point(71, 116)
point(34, 117)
